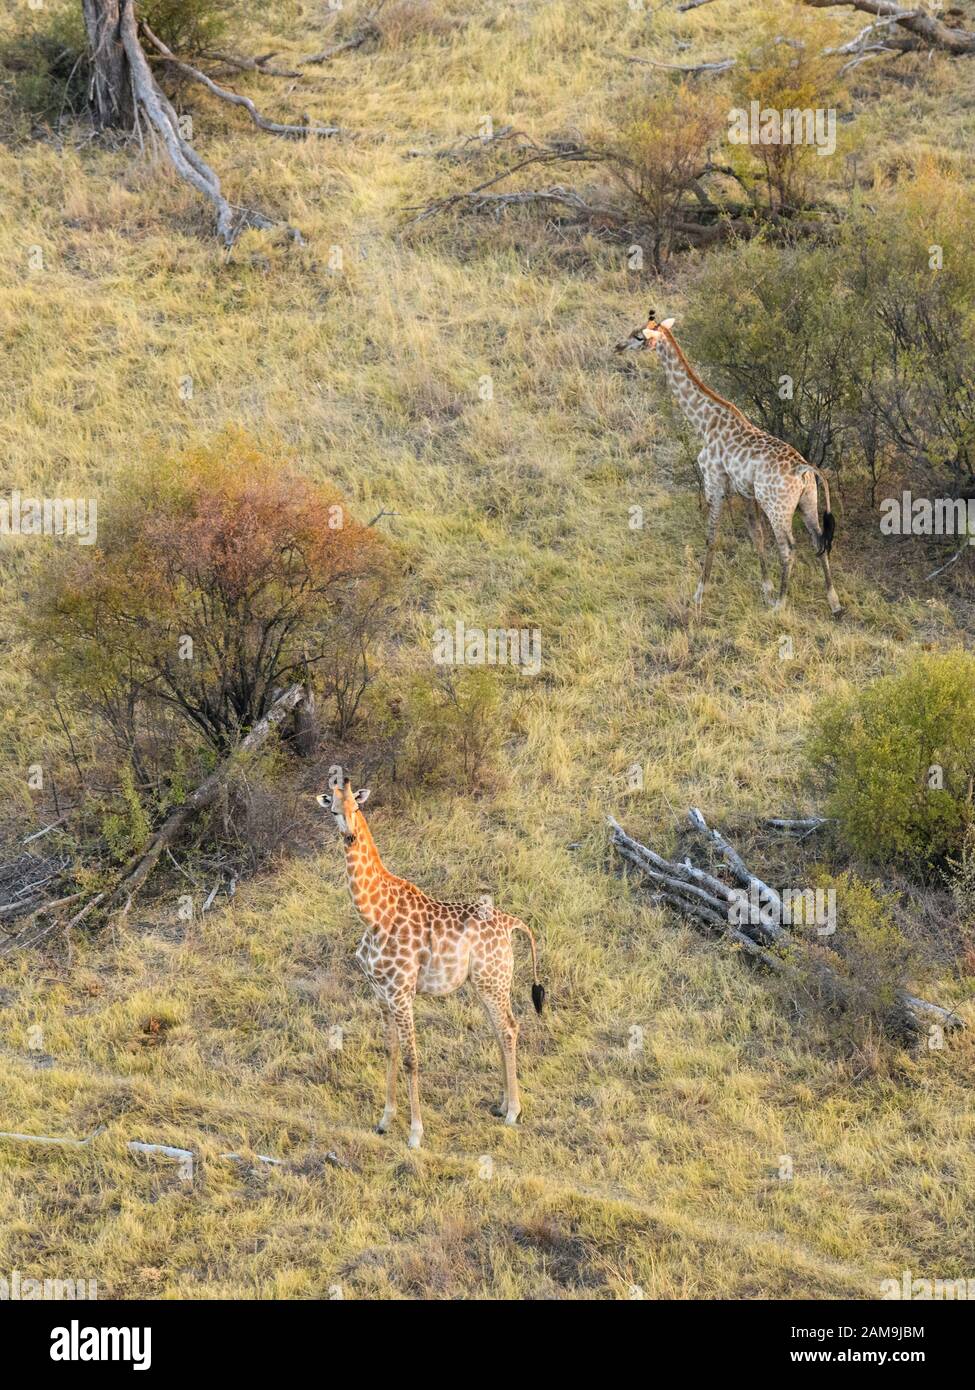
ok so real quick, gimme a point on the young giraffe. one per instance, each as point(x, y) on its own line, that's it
point(739, 457)
point(415, 945)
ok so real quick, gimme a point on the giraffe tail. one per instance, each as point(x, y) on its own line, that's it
point(538, 990)
point(829, 520)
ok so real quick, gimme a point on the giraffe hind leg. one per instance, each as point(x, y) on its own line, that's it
point(810, 514)
point(786, 547)
point(497, 1006)
point(758, 539)
point(501, 1107)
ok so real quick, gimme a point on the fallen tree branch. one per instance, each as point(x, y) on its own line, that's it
point(292, 132)
point(369, 29)
point(941, 568)
point(920, 23)
point(254, 64)
point(866, 46)
point(140, 866)
point(691, 69)
point(185, 1157)
point(569, 154)
point(707, 902)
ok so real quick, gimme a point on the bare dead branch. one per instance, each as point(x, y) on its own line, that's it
point(369, 29)
point(293, 132)
point(564, 152)
point(691, 69)
point(140, 866)
point(261, 64)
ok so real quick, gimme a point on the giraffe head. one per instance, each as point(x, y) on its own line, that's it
point(344, 805)
point(651, 335)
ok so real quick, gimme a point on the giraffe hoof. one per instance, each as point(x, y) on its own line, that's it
point(499, 1110)
point(414, 1141)
point(512, 1119)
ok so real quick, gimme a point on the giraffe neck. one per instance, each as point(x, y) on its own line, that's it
point(702, 407)
point(365, 871)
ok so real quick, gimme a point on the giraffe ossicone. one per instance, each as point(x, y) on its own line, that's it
point(738, 457)
point(413, 945)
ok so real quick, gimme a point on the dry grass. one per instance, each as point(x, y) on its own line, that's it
point(656, 1169)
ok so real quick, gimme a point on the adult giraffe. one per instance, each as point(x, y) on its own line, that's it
point(416, 945)
point(737, 456)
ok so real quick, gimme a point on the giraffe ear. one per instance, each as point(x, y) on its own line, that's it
point(362, 796)
point(668, 323)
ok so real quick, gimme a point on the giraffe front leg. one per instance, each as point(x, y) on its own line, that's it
point(715, 505)
point(406, 1035)
point(392, 1069)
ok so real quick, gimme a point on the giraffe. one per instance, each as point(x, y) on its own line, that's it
point(415, 945)
point(739, 457)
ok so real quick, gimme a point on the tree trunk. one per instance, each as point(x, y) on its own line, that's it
point(111, 80)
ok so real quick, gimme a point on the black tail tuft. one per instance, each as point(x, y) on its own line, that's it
point(538, 997)
point(829, 531)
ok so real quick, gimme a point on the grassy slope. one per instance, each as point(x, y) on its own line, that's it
point(657, 1169)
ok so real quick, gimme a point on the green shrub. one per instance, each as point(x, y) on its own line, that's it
point(784, 75)
point(43, 73)
point(898, 759)
point(855, 977)
point(659, 154)
point(125, 824)
point(455, 726)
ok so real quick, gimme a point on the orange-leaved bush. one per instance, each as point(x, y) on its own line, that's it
point(219, 576)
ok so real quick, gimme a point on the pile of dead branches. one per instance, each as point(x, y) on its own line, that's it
point(714, 906)
point(26, 881)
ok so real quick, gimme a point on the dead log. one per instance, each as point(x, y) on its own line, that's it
point(802, 826)
point(920, 23)
point(706, 902)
